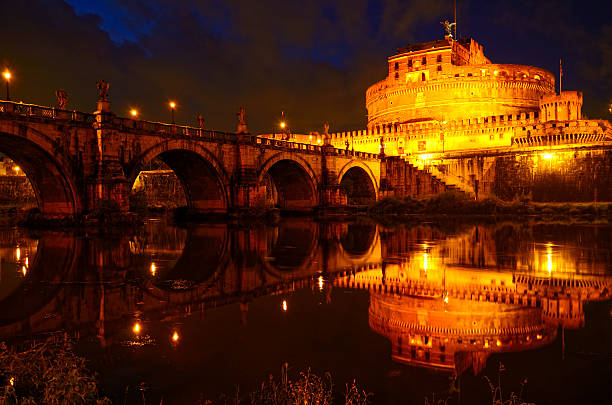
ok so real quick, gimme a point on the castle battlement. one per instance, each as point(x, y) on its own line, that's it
point(447, 96)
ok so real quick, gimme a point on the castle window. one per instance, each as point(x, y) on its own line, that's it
point(469, 74)
point(396, 75)
point(424, 61)
point(439, 59)
point(537, 77)
point(423, 76)
point(439, 68)
point(527, 116)
point(456, 74)
point(410, 63)
point(396, 65)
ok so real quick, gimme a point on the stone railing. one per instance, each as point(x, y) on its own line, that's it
point(33, 110)
point(144, 127)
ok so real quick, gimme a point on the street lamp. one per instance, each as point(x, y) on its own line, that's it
point(172, 105)
point(7, 76)
point(134, 113)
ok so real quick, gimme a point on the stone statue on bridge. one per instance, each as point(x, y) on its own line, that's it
point(242, 127)
point(326, 137)
point(103, 87)
point(62, 98)
point(200, 120)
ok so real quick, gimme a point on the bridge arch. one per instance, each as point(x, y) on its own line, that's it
point(290, 182)
point(204, 179)
point(46, 167)
point(291, 249)
point(56, 258)
point(358, 182)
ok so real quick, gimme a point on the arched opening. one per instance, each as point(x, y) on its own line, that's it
point(175, 258)
point(157, 187)
point(30, 176)
point(289, 187)
point(33, 265)
point(16, 192)
point(159, 178)
point(358, 186)
point(358, 239)
point(291, 244)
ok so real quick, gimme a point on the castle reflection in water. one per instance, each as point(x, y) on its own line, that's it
point(445, 297)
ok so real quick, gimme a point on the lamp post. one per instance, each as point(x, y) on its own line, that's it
point(172, 105)
point(7, 76)
point(134, 113)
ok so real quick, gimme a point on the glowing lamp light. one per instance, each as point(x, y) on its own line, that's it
point(153, 269)
point(27, 262)
point(320, 283)
point(12, 381)
point(16, 168)
point(486, 344)
point(7, 75)
point(134, 112)
point(539, 337)
point(136, 328)
point(175, 337)
point(172, 104)
point(318, 141)
point(24, 270)
point(425, 157)
point(284, 306)
point(445, 299)
point(547, 156)
point(498, 343)
point(283, 125)
point(18, 253)
point(425, 262)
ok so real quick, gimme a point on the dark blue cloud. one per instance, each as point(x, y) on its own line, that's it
point(313, 58)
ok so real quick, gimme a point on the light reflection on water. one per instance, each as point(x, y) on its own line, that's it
point(435, 298)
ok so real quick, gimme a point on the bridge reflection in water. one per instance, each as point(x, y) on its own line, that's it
point(445, 299)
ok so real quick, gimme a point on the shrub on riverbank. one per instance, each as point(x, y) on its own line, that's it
point(47, 373)
point(307, 388)
point(451, 203)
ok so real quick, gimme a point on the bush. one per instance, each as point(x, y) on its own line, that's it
point(47, 373)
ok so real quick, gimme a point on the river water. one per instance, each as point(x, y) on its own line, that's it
point(186, 313)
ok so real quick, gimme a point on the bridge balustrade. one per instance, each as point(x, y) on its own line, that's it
point(33, 110)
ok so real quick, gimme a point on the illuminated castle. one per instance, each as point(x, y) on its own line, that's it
point(447, 96)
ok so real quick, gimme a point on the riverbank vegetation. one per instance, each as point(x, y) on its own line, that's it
point(457, 204)
point(46, 373)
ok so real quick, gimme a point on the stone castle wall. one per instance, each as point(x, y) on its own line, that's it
point(569, 175)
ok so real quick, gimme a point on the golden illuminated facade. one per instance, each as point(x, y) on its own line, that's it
point(447, 96)
point(451, 304)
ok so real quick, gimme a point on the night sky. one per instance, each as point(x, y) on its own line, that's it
point(314, 59)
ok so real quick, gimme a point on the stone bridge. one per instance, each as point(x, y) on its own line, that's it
point(76, 162)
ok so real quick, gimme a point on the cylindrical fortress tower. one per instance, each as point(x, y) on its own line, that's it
point(429, 332)
point(452, 80)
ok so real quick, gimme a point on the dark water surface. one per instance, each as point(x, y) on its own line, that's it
point(193, 312)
